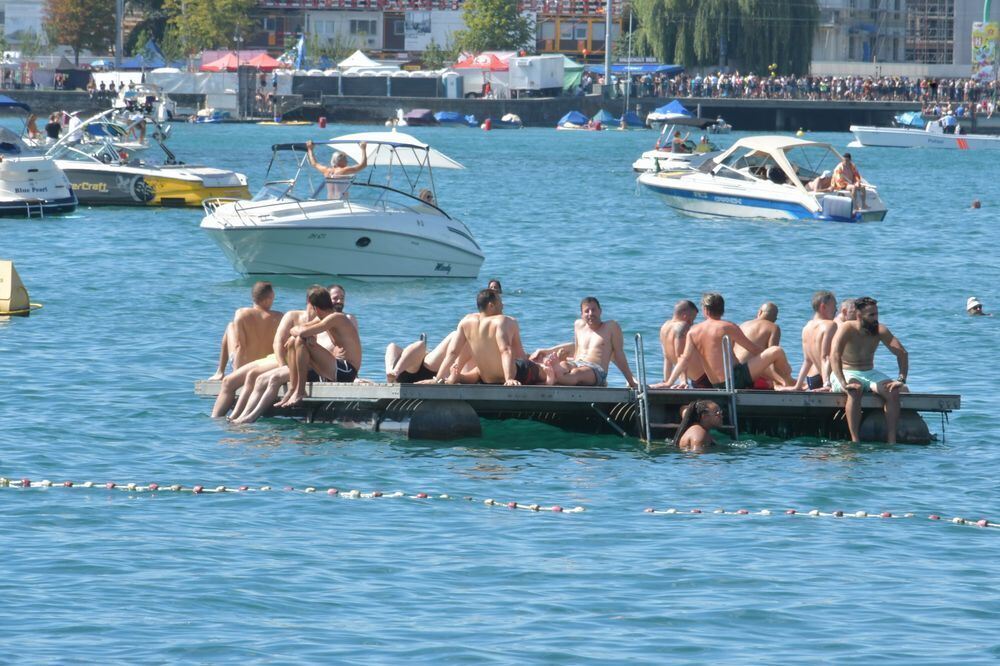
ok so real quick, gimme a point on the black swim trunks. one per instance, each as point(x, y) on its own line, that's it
point(741, 377)
point(814, 382)
point(345, 373)
point(422, 373)
point(701, 383)
point(528, 372)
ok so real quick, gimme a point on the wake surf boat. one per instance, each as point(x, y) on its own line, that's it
point(31, 185)
point(769, 177)
point(102, 173)
point(663, 158)
point(386, 226)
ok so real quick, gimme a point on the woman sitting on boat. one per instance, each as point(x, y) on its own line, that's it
point(697, 419)
point(338, 175)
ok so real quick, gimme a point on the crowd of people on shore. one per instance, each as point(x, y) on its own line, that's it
point(846, 88)
point(321, 342)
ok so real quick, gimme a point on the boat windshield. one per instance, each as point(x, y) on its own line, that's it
point(810, 161)
point(275, 189)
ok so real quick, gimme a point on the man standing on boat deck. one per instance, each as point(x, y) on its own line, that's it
point(492, 341)
point(338, 174)
point(585, 361)
point(852, 366)
point(249, 335)
point(674, 339)
point(705, 342)
point(817, 338)
point(847, 178)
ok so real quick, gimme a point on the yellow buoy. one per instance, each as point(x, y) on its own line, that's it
point(13, 296)
point(801, 132)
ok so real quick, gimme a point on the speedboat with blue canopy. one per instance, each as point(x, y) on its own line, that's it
point(385, 225)
point(574, 120)
point(767, 177)
point(31, 185)
point(675, 113)
point(455, 119)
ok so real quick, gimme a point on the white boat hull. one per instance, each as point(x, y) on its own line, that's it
point(701, 195)
point(329, 239)
point(898, 137)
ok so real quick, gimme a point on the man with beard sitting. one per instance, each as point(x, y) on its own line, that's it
point(852, 365)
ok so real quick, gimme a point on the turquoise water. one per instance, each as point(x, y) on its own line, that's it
point(98, 386)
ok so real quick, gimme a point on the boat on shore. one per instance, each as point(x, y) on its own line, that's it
point(765, 177)
point(387, 226)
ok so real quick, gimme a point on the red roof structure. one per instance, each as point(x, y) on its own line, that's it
point(227, 63)
point(265, 63)
point(485, 61)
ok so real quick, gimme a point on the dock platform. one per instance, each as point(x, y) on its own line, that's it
point(433, 411)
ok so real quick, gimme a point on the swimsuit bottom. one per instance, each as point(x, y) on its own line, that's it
point(814, 382)
point(422, 373)
point(528, 372)
point(741, 378)
point(600, 373)
point(345, 373)
point(700, 383)
point(867, 378)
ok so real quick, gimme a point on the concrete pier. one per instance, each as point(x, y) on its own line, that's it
point(441, 412)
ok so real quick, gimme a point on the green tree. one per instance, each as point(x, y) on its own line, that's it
point(30, 43)
point(335, 49)
point(80, 24)
point(493, 25)
point(208, 24)
point(436, 56)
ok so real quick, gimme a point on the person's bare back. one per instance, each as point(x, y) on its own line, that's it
point(762, 330)
point(707, 339)
point(817, 335)
point(255, 329)
point(490, 337)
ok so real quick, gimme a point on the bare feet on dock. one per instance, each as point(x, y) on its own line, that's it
point(454, 375)
point(553, 369)
point(216, 377)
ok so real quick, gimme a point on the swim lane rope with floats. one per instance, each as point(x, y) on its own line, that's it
point(136, 490)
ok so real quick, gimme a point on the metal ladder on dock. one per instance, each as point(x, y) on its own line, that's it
point(642, 395)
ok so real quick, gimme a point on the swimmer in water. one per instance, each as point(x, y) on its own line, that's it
point(697, 420)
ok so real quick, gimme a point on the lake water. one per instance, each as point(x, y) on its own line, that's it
point(98, 386)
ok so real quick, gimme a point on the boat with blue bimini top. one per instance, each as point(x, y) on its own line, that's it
point(767, 177)
point(386, 226)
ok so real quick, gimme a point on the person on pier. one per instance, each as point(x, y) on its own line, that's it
point(249, 335)
point(673, 340)
point(852, 365)
point(817, 338)
point(492, 342)
point(585, 361)
point(705, 341)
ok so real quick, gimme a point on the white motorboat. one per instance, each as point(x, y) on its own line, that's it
point(663, 157)
point(930, 137)
point(674, 113)
point(720, 127)
point(770, 177)
point(31, 185)
point(386, 226)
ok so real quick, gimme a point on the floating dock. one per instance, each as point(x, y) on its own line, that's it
point(438, 411)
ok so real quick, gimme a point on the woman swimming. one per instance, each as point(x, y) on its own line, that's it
point(697, 419)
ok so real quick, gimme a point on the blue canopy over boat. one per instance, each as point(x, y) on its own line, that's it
point(631, 119)
point(910, 119)
point(604, 118)
point(8, 103)
point(674, 107)
point(455, 118)
point(573, 118)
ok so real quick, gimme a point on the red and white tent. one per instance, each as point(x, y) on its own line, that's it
point(227, 63)
point(265, 63)
point(491, 61)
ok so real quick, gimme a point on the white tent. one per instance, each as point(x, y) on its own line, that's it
point(360, 61)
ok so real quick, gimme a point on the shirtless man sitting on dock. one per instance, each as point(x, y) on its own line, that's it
point(261, 388)
point(248, 336)
point(585, 361)
point(492, 341)
point(673, 339)
point(852, 364)
point(306, 354)
point(817, 336)
point(705, 341)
